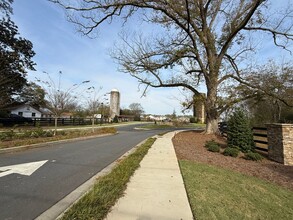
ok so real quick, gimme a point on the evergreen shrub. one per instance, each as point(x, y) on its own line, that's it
point(231, 151)
point(212, 146)
point(253, 156)
point(115, 119)
point(193, 120)
point(239, 132)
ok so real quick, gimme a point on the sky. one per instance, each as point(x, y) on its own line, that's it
point(59, 47)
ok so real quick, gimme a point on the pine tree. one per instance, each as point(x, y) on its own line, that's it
point(239, 133)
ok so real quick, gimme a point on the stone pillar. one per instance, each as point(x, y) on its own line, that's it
point(200, 112)
point(280, 143)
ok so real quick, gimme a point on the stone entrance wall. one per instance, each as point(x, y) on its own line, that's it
point(280, 143)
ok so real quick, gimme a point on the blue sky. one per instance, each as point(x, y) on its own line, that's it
point(59, 47)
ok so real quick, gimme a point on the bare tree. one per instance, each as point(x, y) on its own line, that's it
point(202, 41)
point(59, 99)
point(93, 103)
point(136, 109)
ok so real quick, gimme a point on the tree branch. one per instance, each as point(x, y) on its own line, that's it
point(240, 26)
point(274, 34)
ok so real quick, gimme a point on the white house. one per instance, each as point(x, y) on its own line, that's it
point(26, 111)
point(158, 118)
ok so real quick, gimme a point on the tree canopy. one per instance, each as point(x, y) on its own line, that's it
point(15, 57)
point(275, 96)
point(203, 41)
point(136, 109)
point(33, 95)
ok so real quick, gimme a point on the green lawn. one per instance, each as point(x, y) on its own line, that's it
point(216, 193)
point(108, 189)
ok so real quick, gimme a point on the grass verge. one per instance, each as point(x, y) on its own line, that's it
point(166, 126)
point(216, 193)
point(98, 201)
point(61, 135)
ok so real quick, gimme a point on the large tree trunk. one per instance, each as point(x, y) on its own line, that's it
point(212, 122)
point(212, 115)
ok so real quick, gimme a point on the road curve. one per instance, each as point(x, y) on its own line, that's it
point(66, 166)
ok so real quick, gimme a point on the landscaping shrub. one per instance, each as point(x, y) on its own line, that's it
point(212, 146)
point(253, 156)
point(2, 136)
point(177, 123)
point(210, 143)
point(49, 133)
point(239, 132)
point(193, 120)
point(25, 134)
point(8, 135)
point(231, 151)
point(38, 132)
point(108, 130)
point(61, 132)
point(115, 119)
point(137, 118)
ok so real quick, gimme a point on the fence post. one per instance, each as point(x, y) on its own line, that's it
point(280, 143)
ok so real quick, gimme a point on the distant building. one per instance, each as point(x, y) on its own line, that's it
point(26, 111)
point(114, 103)
point(158, 118)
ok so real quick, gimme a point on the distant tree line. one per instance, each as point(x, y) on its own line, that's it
point(134, 109)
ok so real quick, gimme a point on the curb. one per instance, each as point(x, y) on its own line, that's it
point(57, 210)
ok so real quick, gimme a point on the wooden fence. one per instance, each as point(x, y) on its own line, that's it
point(68, 121)
point(260, 136)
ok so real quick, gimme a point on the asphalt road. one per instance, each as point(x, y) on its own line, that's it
point(69, 165)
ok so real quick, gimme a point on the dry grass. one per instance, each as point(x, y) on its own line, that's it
point(19, 140)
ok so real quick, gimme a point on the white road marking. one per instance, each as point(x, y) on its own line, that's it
point(23, 169)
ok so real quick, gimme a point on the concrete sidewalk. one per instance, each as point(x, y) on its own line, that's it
point(156, 190)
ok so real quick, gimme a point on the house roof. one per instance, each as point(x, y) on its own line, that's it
point(41, 110)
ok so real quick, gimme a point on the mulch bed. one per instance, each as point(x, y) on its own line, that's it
point(189, 145)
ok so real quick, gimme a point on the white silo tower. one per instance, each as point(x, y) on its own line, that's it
point(114, 103)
